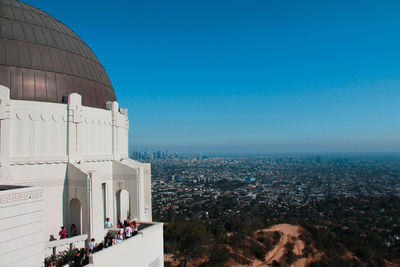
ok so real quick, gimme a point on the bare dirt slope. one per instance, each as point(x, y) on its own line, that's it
point(290, 233)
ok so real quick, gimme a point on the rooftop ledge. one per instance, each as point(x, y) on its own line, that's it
point(10, 187)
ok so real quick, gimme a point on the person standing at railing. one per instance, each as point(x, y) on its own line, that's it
point(135, 227)
point(120, 222)
point(63, 232)
point(92, 244)
point(84, 257)
point(108, 223)
point(73, 230)
point(77, 259)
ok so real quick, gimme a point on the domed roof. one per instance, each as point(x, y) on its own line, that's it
point(41, 59)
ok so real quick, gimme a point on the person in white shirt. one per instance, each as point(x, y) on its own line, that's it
point(120, 222)
point(92, 244)
point(108, 223)
point(128, 232)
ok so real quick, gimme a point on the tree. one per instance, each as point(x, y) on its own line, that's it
point(236, 240)
point(276, 237)
point(275, 264)
point(258, 251)
point(218, 255)
point(221, 236)
point(289, 255)
point(186, 239)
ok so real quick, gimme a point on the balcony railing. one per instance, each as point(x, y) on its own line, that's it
point(52, 247)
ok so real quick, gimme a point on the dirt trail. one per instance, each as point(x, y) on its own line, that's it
point(288, 233)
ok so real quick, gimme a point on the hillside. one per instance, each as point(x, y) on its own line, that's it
point(281, 244)
point(291, 249)
point(278, 245)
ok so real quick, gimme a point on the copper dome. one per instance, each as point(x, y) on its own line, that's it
point(41, 59)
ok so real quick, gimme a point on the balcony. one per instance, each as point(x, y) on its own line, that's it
point(143, 249)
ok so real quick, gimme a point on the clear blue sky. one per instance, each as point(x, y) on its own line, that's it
point(249, 76)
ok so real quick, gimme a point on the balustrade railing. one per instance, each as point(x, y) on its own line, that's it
point(52, 247)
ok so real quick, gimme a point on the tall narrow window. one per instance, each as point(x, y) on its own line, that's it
point(104, 197)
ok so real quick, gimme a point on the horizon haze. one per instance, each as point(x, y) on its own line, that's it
point(249, 76)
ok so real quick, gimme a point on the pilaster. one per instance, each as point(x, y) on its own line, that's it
point(113, 107)
point(140, 193)
point(74, 128)
point(125, 153)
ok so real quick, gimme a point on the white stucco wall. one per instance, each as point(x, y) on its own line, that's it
point(51, 178)
point(142, 207)
point(21, 227)
point(38, 132)
point(96, 129)
point(143, 250)
point(122, 123)
point(136, 178)
point(69, 151)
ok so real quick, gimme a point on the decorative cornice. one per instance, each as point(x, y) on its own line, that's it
point(39, 115)
point(20, 196)
point(43, 183)
point(74, 182)
point(38, 161)
point(54, 183)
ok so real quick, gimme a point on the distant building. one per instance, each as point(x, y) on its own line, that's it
point(250, 179)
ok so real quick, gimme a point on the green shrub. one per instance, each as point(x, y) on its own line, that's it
point(62, 258)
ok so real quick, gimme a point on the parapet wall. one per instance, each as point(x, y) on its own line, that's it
point(43, 133)
point(144, 249)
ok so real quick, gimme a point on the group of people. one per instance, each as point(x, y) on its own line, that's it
point(81, 257)
point(129, 229)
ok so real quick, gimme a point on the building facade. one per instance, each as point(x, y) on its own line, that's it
point(63, 145)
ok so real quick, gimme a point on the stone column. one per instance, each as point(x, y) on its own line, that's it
point(90, 203)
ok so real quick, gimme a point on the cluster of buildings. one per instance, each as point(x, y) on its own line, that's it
point(274, 181)
point(145, 156)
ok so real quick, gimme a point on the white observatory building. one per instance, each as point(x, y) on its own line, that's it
point(64, 149)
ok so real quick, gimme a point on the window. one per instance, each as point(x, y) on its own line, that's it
point(104, 196)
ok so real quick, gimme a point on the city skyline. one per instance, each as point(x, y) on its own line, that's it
point(249, 77)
